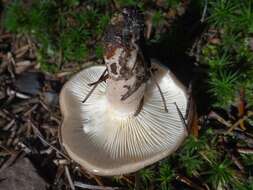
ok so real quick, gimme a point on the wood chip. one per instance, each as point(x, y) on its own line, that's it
point(21, 51)
point(23, 66)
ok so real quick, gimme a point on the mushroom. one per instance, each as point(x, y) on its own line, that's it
point(123, 126)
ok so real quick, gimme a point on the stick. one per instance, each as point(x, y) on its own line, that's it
point(214, 115)
point(99, 80)
point(38, 134)
point(239, 122)
point(204, 12)
point(160, 91)
point(245, 150)
point(188, 182)
point(237, 134)
point(71, 184)
point(87, 186)
point(137, 183)
point(90, 175)
point(94, 87)
point(11, 160)
point(181, 116)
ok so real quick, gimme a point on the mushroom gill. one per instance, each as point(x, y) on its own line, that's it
point(106, 143)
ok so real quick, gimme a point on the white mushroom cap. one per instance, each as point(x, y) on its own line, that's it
point(105, 143)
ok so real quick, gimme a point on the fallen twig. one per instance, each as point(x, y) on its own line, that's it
point(232, 127)
point(86, 186)
point(188, 182)
point(94, 86)
point(204, 12)
point(9, 125)
point(96, 178)
point(245, 150)
point(237, 162)
point(181, 117)
point(216, 116)
point(5, 149)
point(59, 173)
point(237, 134)
point(71, 184)
point(127, 180)
point(160, 91)
point(39, 135)
point(137, 183)
point(11, 160)
point(21, 51)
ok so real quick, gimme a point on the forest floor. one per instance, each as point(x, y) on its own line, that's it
point(218, 154)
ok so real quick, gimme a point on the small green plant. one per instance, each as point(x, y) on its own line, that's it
point(245, 17)
point(223, 87)
point(172, 3)
point(146, 175)
point(127, 2)
point(218, 63)
point(229, 61)
point(189, 157)
point(157, 18)
point(221, 175)
point(222, 12)
point(166, 175)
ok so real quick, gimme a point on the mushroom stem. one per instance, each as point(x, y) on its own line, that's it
point(116, 89)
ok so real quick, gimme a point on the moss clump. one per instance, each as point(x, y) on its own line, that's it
point(228, 52)
point(63, 29)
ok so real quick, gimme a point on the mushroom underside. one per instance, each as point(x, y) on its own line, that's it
point(107, 144)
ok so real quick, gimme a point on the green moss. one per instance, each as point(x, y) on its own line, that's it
point(229, 61)
point(166, 175)
point(222, 13)
point(157, 18)
point(223, 87)
point(146, 175)
point(127, 2)
point(222, 175)
point(172, 3)
point(58, 29)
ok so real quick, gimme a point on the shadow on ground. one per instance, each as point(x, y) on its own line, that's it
point(172, 50)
